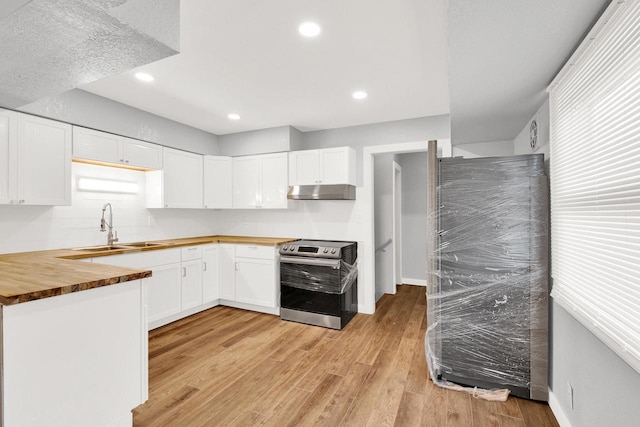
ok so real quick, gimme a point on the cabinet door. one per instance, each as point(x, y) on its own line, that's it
point(165, 291)
point(218, 179)
point(209, 273)
point(191, 284)
point(275, 183)
point(44, 161)
point(337, 166)
point(182, 179)
point(227, 271)
point(246, 182)
point(91, 144)
point(141, 154)
point(255, 282)
point(8, 156)
point(303, 167)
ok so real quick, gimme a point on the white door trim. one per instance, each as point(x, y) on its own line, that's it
point(396, 233)
point(369, 250)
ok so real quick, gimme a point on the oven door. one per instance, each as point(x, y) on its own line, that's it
point(310, 284)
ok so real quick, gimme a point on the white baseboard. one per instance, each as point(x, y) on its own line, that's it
point(561, 417)
point(417, 282)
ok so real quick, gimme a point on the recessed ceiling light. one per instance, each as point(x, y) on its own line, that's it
point(359, 94)
point(309, 29)
point(144, 77)
point(233, 116)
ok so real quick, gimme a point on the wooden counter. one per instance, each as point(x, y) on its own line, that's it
point(29, 276)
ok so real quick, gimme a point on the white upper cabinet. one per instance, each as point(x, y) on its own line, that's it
point(325, 166)
point(141, 154)
point(179, 184)
point(37, 153)
point(274, 177)
point(218, 178)
point(304, 167)
point(8, 156)
point(260, 181)
point(246, 182)
point(89, 144)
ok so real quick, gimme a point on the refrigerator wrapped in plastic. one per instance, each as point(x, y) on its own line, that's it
point(487, 292)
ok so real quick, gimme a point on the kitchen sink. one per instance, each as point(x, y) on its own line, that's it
point(101, 248)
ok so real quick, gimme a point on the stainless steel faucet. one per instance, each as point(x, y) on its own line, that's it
point(110, 237)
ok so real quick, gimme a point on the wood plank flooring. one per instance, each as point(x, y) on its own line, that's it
point(229, 367)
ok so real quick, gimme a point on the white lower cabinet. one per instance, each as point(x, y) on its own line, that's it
point(75, 360)
point(190, 279)
point(255, 282)
point(251, 278)
point(164, 290)
point(210, 273)
point(227, 271)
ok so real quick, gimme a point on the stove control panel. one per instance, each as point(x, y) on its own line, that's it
point(310, 251)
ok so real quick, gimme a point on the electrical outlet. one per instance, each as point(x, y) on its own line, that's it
point(570, 395)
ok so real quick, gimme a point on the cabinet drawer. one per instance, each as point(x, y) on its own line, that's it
point(191, 252)
point(255, 251)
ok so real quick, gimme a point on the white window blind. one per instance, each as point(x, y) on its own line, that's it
point(595, 182)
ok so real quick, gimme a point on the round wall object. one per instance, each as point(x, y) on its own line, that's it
point(533, 134)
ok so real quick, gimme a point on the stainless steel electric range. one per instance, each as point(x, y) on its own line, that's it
point(319, 282)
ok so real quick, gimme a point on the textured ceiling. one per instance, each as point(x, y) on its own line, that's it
point(48, 47)
point(503, 55)
point(246, 57)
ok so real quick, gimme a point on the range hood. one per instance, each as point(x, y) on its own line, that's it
point(322, 192)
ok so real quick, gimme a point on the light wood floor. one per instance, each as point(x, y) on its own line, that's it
point(229, 367)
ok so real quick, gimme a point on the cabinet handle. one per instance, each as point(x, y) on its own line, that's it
point(121, 160)
point(126, 161)
point(21, 201)
point(166, 205)
point(204, 266)
point(184, 271)
point(236, 266)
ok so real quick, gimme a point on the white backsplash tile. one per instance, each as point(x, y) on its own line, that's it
point(29, 228)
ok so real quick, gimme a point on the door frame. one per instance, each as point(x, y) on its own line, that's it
point(368, 273)
point(396, 233)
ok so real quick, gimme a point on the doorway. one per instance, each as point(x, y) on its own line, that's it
point(367, 274)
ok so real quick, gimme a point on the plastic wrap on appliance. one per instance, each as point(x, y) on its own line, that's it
point(323, 280)
point(488, 293)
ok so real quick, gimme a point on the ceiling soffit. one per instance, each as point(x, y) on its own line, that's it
point(49, 47)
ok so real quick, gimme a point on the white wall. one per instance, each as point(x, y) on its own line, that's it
point(86, 109)
point(414, 216)
point(270, 140)
point(483, 149)
point(29, 228)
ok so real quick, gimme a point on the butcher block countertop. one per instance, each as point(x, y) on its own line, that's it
point(29, 276)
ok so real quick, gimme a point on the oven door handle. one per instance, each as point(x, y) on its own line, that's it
point(319, 262)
